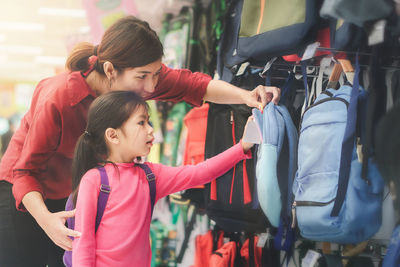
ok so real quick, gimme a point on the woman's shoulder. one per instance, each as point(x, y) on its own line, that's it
point(63, 89)
point(51, 89)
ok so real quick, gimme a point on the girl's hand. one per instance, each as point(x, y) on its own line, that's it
point(246, 146)
point(54, 226)
point(262, 95)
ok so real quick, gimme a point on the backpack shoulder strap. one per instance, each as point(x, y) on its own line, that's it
point(105, 190)
point(151, 179)
point(347, 145)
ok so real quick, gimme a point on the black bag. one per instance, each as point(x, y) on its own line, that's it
point(231, 200)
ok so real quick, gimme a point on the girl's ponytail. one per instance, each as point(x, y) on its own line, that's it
point(78, 58)
point(85, 158)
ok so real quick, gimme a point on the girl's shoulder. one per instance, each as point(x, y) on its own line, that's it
point(92, 176)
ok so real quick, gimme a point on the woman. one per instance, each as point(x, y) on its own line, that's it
point(35, 170)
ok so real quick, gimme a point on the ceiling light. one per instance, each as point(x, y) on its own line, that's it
point(84, 29)
point(21, 26)
point(21, 49)
point(65, 12)
point(8, 65)
point(50, 60)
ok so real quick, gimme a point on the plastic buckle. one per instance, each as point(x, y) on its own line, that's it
point(105, 188)
point(150, 177)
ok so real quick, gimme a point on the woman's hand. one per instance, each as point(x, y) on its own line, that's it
point(262, 95)
point(247, 146)
point(221, 92)
point(54, 226)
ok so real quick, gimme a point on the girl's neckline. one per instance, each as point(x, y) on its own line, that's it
point(123, 164)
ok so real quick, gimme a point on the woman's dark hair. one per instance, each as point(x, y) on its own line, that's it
point(128, 43)
point(109, 110)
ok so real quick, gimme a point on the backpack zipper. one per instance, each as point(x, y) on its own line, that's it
point(321, 102)
point(327, 93)
point(325, 100)
point(312, 203)
point(306, 204)
point(246, 188)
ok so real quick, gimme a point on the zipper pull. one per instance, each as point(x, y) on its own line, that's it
point(293, 215)
point(231, 117)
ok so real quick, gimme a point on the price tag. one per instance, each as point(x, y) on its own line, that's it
point(310, 259)
point(377, 34)
point(310, 51)
point(262, 239)
point(252, 133)
point(242, 68)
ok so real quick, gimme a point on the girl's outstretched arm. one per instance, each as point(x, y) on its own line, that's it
point(174, 179)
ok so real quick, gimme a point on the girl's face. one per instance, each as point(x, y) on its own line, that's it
point(141, 80)
point(135, 136)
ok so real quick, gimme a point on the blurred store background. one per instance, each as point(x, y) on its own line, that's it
point(36, 36)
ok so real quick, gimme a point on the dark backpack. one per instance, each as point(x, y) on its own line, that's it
point(260, 30)
point(230, 198)
point(105, 190)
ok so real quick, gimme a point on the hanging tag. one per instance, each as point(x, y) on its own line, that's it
point(252, 133)
point(377, 33)
point(262, 239)
point(242, 68)
point(268, 66)
point(310, 51)
point(310, 259)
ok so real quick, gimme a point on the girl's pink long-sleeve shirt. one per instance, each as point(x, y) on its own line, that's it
point(123, 236)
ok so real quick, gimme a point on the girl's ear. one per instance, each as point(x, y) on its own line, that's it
point(109, 70)
point(111, 136)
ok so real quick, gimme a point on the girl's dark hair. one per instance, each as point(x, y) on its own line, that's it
point(128, 43)
point(109, 110)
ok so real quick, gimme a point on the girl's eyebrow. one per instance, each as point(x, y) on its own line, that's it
point(142, 116)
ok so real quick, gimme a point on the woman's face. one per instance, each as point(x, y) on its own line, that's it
point(141, 80)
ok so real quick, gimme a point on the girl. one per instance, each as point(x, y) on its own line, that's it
point(35, 170)
point(118, 133)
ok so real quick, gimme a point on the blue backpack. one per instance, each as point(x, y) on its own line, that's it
point(332, 201)
point(392, 257)
point(105, 190)
point(276, 164)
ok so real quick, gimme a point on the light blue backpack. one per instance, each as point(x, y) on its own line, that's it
point(276, 160)
point(332, 201)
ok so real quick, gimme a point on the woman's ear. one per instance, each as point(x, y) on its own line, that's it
point(109, 70)
point(111, 136)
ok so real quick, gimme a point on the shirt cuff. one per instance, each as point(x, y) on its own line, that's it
point(248, 154)
point(198, 97)
point(23, 186)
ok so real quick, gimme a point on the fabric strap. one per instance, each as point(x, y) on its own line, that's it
point(304, 73)
point(347, 145)
point(151, 179)
point(105, 190)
